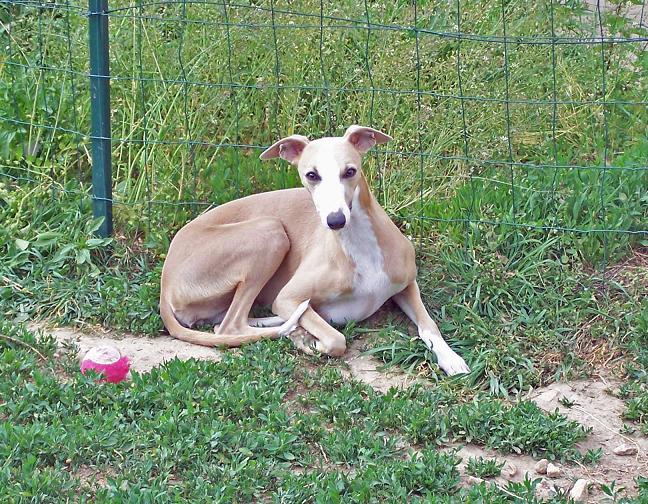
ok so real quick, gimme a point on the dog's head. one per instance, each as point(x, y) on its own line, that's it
point(330, 168)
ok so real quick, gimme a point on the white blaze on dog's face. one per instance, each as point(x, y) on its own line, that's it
point(329, 168)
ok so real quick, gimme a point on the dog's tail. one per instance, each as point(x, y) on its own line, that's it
point(248, 335)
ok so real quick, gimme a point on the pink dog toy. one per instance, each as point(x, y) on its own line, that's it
point(108, 361)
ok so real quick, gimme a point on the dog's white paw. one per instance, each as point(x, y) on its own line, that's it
point(447, 359)
point(451, 363)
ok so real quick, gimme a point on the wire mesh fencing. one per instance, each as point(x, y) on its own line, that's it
point(526, 118)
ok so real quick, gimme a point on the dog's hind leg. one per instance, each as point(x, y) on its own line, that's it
point(228, 281)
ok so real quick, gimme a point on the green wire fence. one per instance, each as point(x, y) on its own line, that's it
point(515, 117)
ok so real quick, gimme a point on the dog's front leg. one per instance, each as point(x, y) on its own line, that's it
point(410, 302)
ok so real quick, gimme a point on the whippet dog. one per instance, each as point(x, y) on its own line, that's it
point(319, 255)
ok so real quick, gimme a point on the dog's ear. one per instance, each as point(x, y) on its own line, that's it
point(363, 138)
point(289, 148)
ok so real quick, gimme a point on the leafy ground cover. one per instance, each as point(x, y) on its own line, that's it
point(262, 424)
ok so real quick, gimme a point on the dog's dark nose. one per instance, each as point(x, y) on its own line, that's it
point(336, 220)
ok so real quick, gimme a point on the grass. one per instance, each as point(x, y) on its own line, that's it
point(171, 86)
point(506, 215)
point(548, 318)
point(593, 456)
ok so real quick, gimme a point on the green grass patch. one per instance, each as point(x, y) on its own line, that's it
point(522, 315)
point(578, 164)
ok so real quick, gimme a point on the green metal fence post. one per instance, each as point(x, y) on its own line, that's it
point(100, 109)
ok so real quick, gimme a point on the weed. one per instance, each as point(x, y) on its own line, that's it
point(228, 430)
point(638, 410)
point(612, 491)
point(566, 402)
point(484, 468)
point(593, 456)
point(627, 430)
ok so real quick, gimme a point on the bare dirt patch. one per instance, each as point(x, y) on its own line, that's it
point(92, 478)
point(144, 353)
point(595, 406)
point(366, 369)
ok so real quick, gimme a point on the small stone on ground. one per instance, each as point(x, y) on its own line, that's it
point(579, 492)
point(509, 471)
point(541, 466)
point(625, 449)
point(553, 471)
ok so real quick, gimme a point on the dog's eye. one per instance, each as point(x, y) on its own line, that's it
point(312, 176)
point(350, 172)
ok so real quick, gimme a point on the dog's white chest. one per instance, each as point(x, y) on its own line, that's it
point(371, 284)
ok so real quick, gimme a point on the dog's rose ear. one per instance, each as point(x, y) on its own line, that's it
point(289, 148)
point(363, 138)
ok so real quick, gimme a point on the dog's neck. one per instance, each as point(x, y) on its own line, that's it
point(364, 194)
point(363, 207)
point(358, 237)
